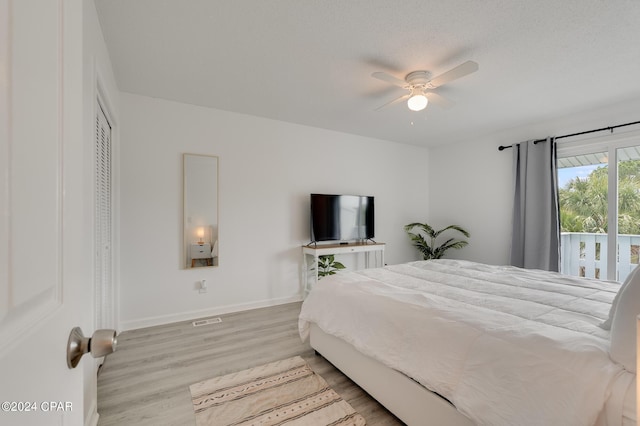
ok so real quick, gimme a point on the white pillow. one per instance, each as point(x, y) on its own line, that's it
point(623, 326)
point(607, 323)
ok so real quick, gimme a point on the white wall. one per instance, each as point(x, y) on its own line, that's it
point(471, 182)
point(267, 171)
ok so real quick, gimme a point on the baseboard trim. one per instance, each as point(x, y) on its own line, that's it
point(192, 315)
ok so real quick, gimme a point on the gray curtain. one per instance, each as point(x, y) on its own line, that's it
point(535, 240)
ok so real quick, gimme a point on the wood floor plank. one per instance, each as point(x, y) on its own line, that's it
point(146, 381)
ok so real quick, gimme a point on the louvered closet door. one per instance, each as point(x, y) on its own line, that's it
point(103, 284)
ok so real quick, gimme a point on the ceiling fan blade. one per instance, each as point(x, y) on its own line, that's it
point(395, 101)
point(389, 78)
point(453, 74)
point(439, 100)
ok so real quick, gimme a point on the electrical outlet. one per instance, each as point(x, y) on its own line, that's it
point(203, 286)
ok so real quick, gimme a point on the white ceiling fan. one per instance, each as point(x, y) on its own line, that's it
point(420, 86)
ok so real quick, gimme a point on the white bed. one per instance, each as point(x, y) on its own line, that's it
point(506, 346)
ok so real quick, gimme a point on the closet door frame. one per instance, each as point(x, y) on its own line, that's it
point(106, 299)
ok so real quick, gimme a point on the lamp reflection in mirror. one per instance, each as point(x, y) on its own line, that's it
point(200, 210)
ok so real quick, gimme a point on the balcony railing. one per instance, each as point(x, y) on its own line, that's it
point(585, 254)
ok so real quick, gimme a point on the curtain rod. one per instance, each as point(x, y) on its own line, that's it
point(610, 128)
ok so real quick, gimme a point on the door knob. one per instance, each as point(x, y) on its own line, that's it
point(102, 342)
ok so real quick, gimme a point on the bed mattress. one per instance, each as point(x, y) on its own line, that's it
point(507, 346)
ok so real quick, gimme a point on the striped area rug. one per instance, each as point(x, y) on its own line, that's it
point(282, 392)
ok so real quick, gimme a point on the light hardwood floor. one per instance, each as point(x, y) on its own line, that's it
point(146, 381)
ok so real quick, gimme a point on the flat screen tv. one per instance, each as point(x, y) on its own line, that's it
point(342, 217)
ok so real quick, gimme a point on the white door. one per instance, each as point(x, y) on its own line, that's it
point(45, 270)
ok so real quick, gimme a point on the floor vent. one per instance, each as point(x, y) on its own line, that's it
point(207, 321)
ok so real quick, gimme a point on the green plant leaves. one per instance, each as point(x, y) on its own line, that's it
point(427, 246)
point(327, 265)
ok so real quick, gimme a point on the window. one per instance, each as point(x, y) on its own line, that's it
point(599, 194)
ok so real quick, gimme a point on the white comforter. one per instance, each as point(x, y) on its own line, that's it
point(506, 346)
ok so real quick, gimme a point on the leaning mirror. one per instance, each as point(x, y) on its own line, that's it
point(200, 210)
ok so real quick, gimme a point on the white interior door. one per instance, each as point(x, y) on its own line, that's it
point(45, 256)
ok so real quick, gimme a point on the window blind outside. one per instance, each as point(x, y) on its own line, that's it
point(102, 284)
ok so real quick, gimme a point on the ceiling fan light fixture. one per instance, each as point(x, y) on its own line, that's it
point(417, 102)
point(421, 83)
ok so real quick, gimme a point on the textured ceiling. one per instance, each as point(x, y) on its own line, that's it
point(310, 62)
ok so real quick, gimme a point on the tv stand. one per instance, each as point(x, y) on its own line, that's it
point(310, 270)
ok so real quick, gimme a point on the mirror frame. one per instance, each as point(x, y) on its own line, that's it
point(187, 226)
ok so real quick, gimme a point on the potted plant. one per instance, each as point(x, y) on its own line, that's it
point(327, 265)
point(427, 246)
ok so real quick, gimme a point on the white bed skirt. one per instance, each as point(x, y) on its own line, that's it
point(405, 398)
